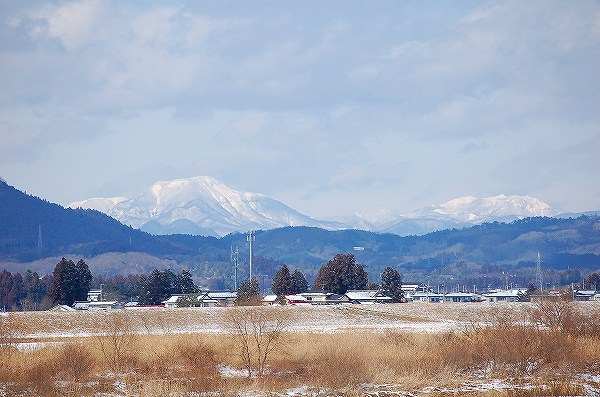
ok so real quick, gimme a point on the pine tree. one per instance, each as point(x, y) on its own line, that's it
point(248, 292)
point(185, 283)
point(341, 274)
point(35, 290)
point(283, 284)
point(299, 282)
point(391, 284)
point(84, 278)
point(12, 290)
point(65, 283)
point(360, 278)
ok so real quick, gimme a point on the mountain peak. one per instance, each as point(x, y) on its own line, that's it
point(204, 202)
point(471, 209)
point(205, 205)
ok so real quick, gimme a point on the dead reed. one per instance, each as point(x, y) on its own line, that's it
point(122, 361)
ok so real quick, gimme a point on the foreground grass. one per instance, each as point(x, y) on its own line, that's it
point(516, 354)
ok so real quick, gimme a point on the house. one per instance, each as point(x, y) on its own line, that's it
point(337, 299)
point(223, 298)
point(269, 299)
point(316, 297)
point(367, 296)
point(430, 297)
point(584, 295)
point(95, 305)
point(459, 297)
point(502, 296)
point(411, 289)
point(171, 303)
point(105, 305)
point(296, 300)
point(199, 300)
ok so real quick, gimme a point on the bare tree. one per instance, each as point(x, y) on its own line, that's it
point(258, 332)
point(555, 313)
point(116, 340)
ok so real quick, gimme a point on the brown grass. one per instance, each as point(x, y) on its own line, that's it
point(517, 348)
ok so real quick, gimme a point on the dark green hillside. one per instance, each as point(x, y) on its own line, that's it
point(65, 230)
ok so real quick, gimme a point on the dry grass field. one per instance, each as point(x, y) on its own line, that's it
point(413, 349)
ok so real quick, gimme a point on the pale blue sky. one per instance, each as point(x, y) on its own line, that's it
point(331, 107)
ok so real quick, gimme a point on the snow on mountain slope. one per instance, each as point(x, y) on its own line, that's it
point(205, 206)
point(472, 209)
point(100, 204)
point(201, 205)
point(468, 211)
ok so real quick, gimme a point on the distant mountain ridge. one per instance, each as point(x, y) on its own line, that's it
point(206, 206)
point(200, 206)
point(469, 254)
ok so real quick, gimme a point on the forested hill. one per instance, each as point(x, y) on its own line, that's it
point(65, 230)
point(563, 243)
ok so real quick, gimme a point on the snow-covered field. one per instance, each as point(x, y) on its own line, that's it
point(417, 317)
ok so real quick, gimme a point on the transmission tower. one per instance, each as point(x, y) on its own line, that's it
point(538, 273)
point(250, 238)
point(235, 260)
point(40, 245)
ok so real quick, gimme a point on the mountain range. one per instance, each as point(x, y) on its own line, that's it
point(35, 234)
point(206, 206)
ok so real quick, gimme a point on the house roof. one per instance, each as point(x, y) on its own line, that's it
point(366, 295)
point(585, 292)
point(296, 298)
point(314, 293)
point(502, 294)
point(222, 294)
point(270, 298)
point(335, 297)
point(103, 303)
point(429, 294)
point(173, 299)
point(61, 308)
point(460, 294)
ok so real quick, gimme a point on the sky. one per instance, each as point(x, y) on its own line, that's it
point(332, 107)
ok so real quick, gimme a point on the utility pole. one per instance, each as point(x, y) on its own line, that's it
point(250, 238)
point(538, 273)
point(235, 261)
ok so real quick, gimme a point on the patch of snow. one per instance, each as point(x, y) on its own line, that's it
point(228, 372)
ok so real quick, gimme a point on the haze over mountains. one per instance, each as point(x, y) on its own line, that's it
point(205, 206)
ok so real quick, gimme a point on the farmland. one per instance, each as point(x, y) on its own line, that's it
point(416, 349)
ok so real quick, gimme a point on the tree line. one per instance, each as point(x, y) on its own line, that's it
point(71, 282)
point(337, 276)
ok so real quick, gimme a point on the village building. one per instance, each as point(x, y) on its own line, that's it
point(584, 295)
point(367, 297)
point(96, 305)
point(502, 296)
point(460, 297)
point(223, 298)
point(430, 297)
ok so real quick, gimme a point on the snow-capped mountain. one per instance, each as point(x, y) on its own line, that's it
point(205, 206)
point(458, 213)
point(469, 211)
point(202, 206)
point(472, 209)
